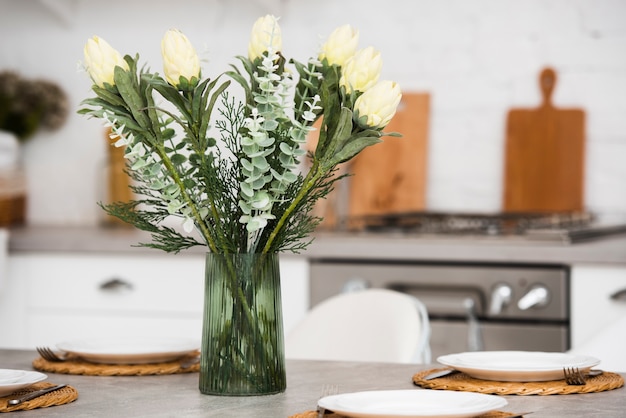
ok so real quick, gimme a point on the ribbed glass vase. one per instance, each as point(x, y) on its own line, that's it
point(242, 332)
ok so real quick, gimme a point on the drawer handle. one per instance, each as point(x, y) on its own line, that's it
point(619, 296)
point(115, 285)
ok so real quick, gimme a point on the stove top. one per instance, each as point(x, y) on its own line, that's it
point(568, 227)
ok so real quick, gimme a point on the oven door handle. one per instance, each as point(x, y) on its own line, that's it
point(619, 296)
point(474, 333)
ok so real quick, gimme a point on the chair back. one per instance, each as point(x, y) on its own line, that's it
point(378, 325)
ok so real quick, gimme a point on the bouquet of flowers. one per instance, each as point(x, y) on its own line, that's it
point(232, 168)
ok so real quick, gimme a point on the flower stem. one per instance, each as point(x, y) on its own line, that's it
point(311, 179)
point(196, 214)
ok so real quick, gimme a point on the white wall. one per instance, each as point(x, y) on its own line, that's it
point(477, 58)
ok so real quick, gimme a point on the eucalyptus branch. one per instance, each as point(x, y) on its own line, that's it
point(308, 86)
point(192, 205)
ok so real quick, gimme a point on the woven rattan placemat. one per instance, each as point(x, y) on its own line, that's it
point(492, 414)
point(96, 369)
point(465, 383)
point(58, 397)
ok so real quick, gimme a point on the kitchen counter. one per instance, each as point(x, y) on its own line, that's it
point(178, 395)
point(609, 250)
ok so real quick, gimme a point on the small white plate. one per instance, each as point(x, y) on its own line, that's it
point(130, 350)
point(516, 366)
point(25, 379)
point(414, 403)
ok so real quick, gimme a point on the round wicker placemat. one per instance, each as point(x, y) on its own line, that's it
point(313, 414)
point(58, 397)
point(462, 382)
point(82, 367)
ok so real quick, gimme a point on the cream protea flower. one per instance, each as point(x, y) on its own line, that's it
point(340, 46)
point(376, 107)
point(101, 60)
point(179, 59)
point(362, 70)
point(266, 36)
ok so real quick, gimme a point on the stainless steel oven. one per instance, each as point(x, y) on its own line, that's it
point(471, 306)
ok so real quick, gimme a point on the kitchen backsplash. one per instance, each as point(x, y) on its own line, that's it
point(477, 59)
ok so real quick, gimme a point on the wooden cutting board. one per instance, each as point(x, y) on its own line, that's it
point(118, 182)
point(390, 177)
point(545, 156)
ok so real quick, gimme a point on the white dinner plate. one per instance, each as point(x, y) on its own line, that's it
point(10, 375)
point(413, 403)
point(19, 380)
point(516, 366)
point(130, 350)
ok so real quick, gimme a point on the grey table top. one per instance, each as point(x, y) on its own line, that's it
point(178, 395)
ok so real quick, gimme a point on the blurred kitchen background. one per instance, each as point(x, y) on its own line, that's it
point(463, 64)
point(476, 59)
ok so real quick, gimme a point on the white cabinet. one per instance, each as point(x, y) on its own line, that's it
point(599, 314)
point(49, 297)
point(592, 307)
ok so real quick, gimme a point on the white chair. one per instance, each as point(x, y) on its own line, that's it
point(608, 345)
point(4, 249)
point(377, 325)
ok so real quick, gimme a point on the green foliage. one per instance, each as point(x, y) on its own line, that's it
point(233, 177)
point(163, 237)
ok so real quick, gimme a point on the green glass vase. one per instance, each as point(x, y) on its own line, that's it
point(242, 331)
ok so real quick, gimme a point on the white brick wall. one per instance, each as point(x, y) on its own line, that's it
point(477, 58)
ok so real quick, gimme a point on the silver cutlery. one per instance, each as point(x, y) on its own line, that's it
point(441, 373)
point(33, 395)
point(573, 375)
point(47, 354)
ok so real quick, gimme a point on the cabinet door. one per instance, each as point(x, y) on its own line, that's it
point(48, 298)
point(596, 300)
point(115, 283)
point(70, 296)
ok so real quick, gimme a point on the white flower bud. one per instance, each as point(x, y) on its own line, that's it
point(362, 70)
point(101, 60)
point(378, 104)
point(266, 36)
point(179, 58)
point(340, 46)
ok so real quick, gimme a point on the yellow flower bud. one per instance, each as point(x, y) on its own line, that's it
point(362, 70)
point(101, 60)
point(340, 46)
point(378, 104)
point(179, 58)
point(266, 36)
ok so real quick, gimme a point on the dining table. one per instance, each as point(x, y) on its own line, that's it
point(177, 395)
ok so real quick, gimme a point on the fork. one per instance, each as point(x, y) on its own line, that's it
point(573, 376)
point(327, 390)
point(47, 354)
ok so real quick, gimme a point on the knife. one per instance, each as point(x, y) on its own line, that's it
point(33, 395)
point(440, 373)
